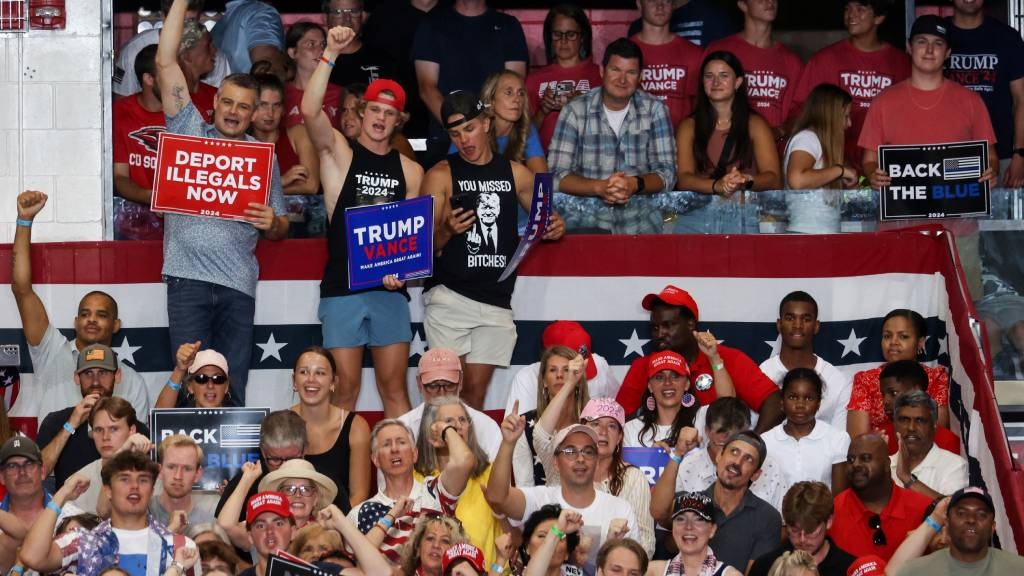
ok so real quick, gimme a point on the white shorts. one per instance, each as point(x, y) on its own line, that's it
point(483, 333)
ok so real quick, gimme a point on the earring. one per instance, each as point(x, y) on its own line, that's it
point(651, 406)
point(687, 400)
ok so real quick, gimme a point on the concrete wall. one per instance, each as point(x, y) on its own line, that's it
point(51, 125)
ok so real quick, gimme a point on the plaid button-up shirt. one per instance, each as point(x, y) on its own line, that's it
point(584, 144)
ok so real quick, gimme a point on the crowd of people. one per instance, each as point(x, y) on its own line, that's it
point(787, 468)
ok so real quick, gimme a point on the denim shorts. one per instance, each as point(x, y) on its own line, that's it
point(374, 318)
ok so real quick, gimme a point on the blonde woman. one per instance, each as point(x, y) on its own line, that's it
point(564, 384)
point(433, 536)
point(795, 563)
point(815, 164)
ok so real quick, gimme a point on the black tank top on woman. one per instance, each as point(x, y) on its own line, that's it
point(334, 463)
point(471, 262)
point(371, 179)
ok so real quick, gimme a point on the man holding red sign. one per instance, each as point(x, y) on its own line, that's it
point(359, 173)
point(209, 263)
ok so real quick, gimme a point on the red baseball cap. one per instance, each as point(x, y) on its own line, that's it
point(673, 296)
point(667, 360)
point(375, 93)
point(869, 565)
point(463, 551)
point(274, 502)
point(571, 335)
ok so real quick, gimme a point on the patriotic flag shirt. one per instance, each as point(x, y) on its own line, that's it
point(429, 497)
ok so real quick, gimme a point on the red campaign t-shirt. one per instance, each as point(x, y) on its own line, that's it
point(944, 438)
point(136, 133)
point(669, 73)
point(850, 530)
point(204, 100)
point(293, 98)
point(752, 386)
point(772, 75)
point(862, 74)
point(903, 114)
point(582, 77)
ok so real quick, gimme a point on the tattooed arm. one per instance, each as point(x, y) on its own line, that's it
point(173, 86)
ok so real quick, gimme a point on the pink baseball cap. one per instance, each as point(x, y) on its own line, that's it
point(673, 296)
point(571, 335)
point(603, 407)
point(667, 360)
point(209, 358)
point(439, 364)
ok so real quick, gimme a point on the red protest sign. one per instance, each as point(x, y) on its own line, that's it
point(210, 176)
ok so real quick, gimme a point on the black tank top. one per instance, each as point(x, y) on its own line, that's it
point(471, 263)
point(371, 179)
point(334, 463)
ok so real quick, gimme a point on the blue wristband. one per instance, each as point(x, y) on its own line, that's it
point(675, 457)
point(934, 525)
point(52, 506)
point(18, 569)
point(173, 385)
point(498, 568)
point(385, 523)
point(69, 428)
point(26, 224)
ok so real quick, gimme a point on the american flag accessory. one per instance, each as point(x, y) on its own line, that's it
point(961, 168)
point(10, 384)
point(369, 514)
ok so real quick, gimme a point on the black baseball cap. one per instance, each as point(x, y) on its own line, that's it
point(20, 446)
point(972, 492)
point(930, 24)
point(462, 102)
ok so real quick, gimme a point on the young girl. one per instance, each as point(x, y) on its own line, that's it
point(815, 164)
point(810, 448)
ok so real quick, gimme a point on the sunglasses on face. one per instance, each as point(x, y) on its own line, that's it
point(204, 378)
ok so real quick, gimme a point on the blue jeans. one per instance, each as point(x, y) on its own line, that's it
point(218, 316)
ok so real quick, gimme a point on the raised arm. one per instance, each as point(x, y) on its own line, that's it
point(173, 87)
point(665, 489)
point(39, 551)
point(321, 133)
point(500, 494)
point(461, 460)
point(34, 320)
point(368, 556)
point(183, 358)
point(916, 542)
point(569, 522)
point(548, 421)
point(232, 509)
point(51, 452)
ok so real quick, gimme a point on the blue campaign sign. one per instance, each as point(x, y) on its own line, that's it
point(650, 461)
point(395, 238)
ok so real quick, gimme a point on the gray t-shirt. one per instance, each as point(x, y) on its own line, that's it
point(204, 505)
point(942, 564)
point(751, 531)
point(210, 249)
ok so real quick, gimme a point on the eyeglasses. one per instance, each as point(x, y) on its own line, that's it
point(204, 378)
point(570, 452)
point(439, 385)
point(571, 35)
point(276, 461)
point(875, 523)
point(301, 490)
point(345, 13)
point(29, 467)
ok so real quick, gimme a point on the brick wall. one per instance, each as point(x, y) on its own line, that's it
point(51, 125)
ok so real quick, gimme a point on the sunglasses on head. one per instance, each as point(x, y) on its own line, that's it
point(204, 378)
point(875, 523)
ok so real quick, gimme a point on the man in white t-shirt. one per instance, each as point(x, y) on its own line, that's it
point(605, 517)
point(440, 374)
point(798, 325)
point(919, 464)
point(601, 383)
point(126, 539)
